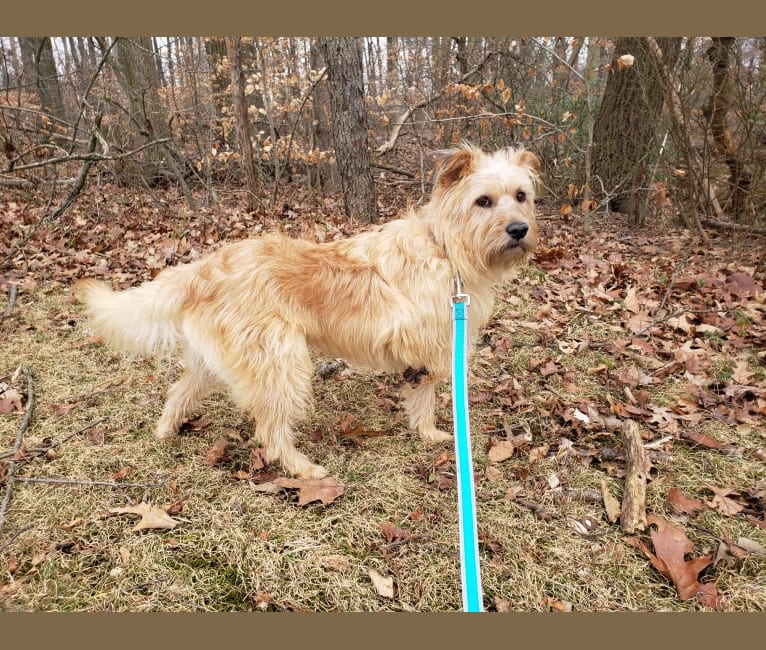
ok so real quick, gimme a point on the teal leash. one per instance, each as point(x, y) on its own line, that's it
point(466, 498)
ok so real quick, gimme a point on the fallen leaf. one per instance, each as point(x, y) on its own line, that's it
point(217, 452)
point(631, 300)
point(394, 534)
point(741, 374)
point(671, 545)
point(537, 453)
point(325, 489)
point(384, 586)
point(558, 605)
point(722, 503)
point(10, 399)
point(500, 451)
point(683, 504)
point(338, 563)
point(502, 605)
point(151, 516)
point(702, 439)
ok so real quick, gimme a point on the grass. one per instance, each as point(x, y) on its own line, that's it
point(238, 549)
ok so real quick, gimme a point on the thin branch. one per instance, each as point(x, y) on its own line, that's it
point(67, 481)
point(91, 157)
point(15, 536)
point(404, 117)
point(19, 439)
point(308, 94)
point(70, 199)
point(53, 445)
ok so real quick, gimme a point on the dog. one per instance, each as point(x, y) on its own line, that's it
point(247, 315)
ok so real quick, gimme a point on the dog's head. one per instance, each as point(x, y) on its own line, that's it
point(483, 206)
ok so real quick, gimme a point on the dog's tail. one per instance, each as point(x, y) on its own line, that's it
point(141, 320)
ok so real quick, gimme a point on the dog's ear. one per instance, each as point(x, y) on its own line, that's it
point(452, 165)
point(528, 159)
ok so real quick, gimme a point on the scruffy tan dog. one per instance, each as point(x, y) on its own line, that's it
point(247, 314)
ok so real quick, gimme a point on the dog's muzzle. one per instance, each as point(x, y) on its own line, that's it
point(516, 231)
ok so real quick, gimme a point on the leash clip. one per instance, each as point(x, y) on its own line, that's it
point(459, 296)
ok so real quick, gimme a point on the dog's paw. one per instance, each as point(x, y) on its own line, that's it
point(436, 435)
point(312, 472)
point(164, 433)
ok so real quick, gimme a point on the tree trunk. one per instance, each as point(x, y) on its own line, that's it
point(40, 69)
point(137, 73)
point(321, 136)
point(242, 123)
point(625, 130)
point(720, 54)
point(343, 57)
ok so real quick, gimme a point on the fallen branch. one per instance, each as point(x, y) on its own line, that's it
point(11, 302)
point(19, 439)
point(737, 227)
point(633, 511)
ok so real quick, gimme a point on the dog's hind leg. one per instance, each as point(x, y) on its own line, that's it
point(420, 406)
point(184, 396)
point(274, 390)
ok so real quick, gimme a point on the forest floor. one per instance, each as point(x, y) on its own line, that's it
point(650, 324)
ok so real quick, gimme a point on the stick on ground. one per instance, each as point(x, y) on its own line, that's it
point(633, 512)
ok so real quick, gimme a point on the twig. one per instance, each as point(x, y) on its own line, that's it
point(55, 444)
point(17, 444)
point(11, 302)
point(665, 297)
point(15, 535)
point(540, 512)
point(68, 481)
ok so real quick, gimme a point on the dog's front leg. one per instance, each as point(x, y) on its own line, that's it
point(420, 405)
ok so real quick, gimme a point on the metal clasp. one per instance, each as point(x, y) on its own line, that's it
point(459, 296)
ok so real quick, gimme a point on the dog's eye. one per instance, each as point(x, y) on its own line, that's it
point(484, 201)
point(521, 196)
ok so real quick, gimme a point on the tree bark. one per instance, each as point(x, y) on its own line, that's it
point(343, 57)
point(720, 54)
point(320, 109)
point(40, 68)
point(625, 130)
point(242, 123)
point(137, 73)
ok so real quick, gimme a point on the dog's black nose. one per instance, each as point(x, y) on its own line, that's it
point(517, 230)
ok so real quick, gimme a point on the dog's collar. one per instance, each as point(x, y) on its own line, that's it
point(439, 246)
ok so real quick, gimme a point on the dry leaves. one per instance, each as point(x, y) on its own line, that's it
point(325, 490)
point(151, 516)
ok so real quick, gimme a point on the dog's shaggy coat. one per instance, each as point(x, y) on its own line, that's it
point(246, 315)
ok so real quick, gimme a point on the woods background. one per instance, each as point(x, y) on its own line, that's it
point(655, 128)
